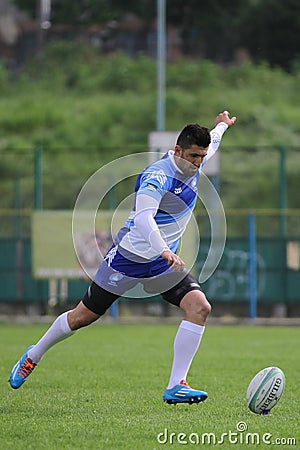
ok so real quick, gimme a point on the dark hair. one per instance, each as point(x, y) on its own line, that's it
point(193, 134)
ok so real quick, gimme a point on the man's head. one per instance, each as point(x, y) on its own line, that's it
point(191, 148)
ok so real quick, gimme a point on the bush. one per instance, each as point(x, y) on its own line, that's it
point(77, 100)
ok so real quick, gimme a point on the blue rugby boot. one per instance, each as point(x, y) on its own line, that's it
point(21, 370)
point(183, 393)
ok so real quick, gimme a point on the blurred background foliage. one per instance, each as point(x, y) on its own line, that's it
point(268, 29)
point(85, 107)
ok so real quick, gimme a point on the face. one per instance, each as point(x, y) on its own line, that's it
point(190, 159)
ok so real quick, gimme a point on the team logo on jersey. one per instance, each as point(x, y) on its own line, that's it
point(158, 175)
point(177, 190)
point(114, 278)
point(151, 187)
point(194, 185)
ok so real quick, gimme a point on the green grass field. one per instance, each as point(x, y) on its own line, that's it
point(102, 389)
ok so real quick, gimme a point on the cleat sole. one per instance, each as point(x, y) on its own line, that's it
point(190, 401)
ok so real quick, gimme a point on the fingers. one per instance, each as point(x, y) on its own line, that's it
point(226, 113)
point(176, 263)
point(173, 260)
point(224, 117)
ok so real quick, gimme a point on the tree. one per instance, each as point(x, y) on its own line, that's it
point(273, 31)
point(268, 29)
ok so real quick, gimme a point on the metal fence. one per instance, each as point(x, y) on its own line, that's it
point(26, 185)
point(277, 260)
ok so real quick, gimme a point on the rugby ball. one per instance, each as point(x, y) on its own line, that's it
point(265, 389)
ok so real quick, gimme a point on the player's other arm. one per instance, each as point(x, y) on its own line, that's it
point(146, 208)
point(222, 121)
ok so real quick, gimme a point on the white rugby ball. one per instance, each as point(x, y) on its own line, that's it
point(265, 389)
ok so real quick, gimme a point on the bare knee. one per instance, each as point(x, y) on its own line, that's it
point(81, 316)
point(196, 307)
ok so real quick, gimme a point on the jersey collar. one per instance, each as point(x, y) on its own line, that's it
point(172, 159)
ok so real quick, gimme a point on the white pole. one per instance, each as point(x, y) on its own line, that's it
point(45, 11)
point(161, 64)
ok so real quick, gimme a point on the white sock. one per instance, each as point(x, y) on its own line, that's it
point(58, 331)
point(186, 344)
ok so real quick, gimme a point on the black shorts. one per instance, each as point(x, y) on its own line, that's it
point(99, 300)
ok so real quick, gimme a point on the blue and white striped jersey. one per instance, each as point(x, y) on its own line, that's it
point(175, 195)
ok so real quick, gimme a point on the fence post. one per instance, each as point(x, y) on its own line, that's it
point(282, 190)
point(252, 266)
point(18, 240)
point(38, 178)
point(17, 206)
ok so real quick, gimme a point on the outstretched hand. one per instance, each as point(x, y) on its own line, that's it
point(224, 117)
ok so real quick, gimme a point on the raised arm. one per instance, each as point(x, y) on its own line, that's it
point(222, 121)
